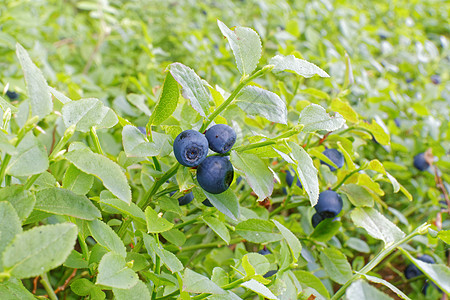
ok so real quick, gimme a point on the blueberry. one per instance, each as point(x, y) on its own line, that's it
point(215, 174)
point(208, 203)
point(412, 271)
point(12, 95)
point(335, 156)
point(270, 273)
point(264, 251)
point(397, 122)
point(329, 204)
point(221, 138)
point(316, 219)
point(290, 174)
point(435, 79)
point(190, 148)
point(420, 163)
point(186, 199)
point(142, 130)
point(409, 80)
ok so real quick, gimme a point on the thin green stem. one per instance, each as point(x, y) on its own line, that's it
point(48, 287)
point(5, 163)
point(379, 257)
point(156, 185)
point(94, 136)
point(244, 81)
point(31, 180)
point(84, 247)
point(345, 178)
point(62, 142)
point(210, 245)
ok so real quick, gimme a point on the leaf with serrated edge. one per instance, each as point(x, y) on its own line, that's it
point(246, 46)
point(38, 91)
point(196, 283)
point(257, 175)
point(258, 231)
point(259, 288)
point(107, 237)
point(192, 86)
point(306, 172)
point(336, 265)
point(39, 250)
point(155, 222)
point(314, 117)
point(387, 284)
point(135, 143)
point(260, 102)
point(377, 225)
point(226, 202)
point(218, 227)
point(10, 225)
point(137, 292)
point(113, 272)
point(296, 65)
point(291, 239)
point(167, 102)
point(362, 290)
point(105, 169)
point(65, 202)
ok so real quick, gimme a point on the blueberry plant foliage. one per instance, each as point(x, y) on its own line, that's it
point(90, 189)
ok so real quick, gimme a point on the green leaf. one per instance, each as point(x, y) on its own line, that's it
point(336, 265)
point(226, 202)
point(358, 245)
point(39, 250)
point(300, 66)
point(377, 131)
point(307, 279)
point(113, 272)
point(175, 237)
point(131, 210)
point(167, 102)
point(438, 273)
point(248, 268)
point(387, 284)
point(259, 102)
point(4, 105)
point(82, 287)
point(60, 96)
point(107, 237)
point(78, 182)
point(315, 93)
point(259, 288)
point(75, 260)
point(10, 225)
point(22, 200)
point(13, 289)
point(5, 145)
point(86, 113)
point(155, 222)
point(105, 169)
point(326, 230)
point(38, 92)
point(184, 179)
point(31, 157)
point(246, 46)
point(314, 117)
point(196, 283)
point(64, 202)
point(168, 258)
point(218, 227)
point(306, 172)
point(136, 144)
point(362, 290)
point(258, 231)
point(358, 195)
point(137, 292)
point(259, 262)
point(193, 88)
point(376, 225)
point(291, 239)
point(444, 235)
point(345, 110)
point(140, 102)
point(257, 174)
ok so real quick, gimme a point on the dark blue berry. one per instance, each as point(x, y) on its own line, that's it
point(420, 163)
point(329, 204)
point(221, 138)
point(435, 79)
point(12, 95)
point(264, 251)
point(190, 148)
point(316, 219)
point(397, 122)
point(142, 130)
point(208, 203)
point(215, 174)
point(270, 273)
point(186, 199)
point(290, 174)
point(412, 271)
point(335, 156)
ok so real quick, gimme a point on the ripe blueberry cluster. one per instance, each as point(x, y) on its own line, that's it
point(214, 173)
point(412, 271)
point(328, 206)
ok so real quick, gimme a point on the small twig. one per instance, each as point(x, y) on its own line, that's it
point(66, 283)
point(324, 137)
point(441, 186)
point(53, 140)
point(35, 282)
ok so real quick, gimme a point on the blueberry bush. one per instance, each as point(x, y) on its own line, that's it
point(148, 149)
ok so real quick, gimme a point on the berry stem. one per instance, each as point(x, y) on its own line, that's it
point(48, 287)
point(244, 81)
